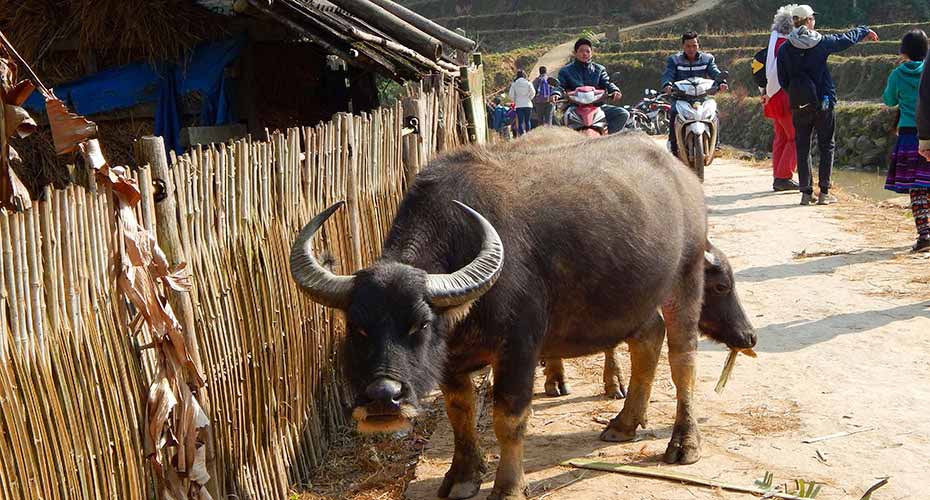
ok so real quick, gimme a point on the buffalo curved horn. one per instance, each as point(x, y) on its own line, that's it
point(473, 280)
point(323, 286)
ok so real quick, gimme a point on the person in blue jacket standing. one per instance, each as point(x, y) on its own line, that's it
point(803, 71)
point(689, 63)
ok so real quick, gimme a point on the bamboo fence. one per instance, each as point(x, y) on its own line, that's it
point(75, 371)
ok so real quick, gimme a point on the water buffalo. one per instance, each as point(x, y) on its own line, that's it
point(722, 317)
point(549, 247)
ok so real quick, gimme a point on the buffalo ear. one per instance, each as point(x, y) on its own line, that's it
point(454, 315)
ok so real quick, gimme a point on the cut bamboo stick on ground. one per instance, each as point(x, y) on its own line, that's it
point(836, 435)
point(655, 473)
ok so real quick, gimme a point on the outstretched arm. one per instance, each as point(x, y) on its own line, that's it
point(843, 41)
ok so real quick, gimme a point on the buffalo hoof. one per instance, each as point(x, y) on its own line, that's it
point(617, 435)
point(684, 448)
point(556, 389)
point(615, 392)
point(516, 494)
point(458, 486)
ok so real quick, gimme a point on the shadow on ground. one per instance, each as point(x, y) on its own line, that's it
point(813, 265)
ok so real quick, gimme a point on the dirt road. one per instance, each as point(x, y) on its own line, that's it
point(559, 55)
point(844, 345)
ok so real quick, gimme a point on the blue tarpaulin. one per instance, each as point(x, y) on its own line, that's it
point(138, 83)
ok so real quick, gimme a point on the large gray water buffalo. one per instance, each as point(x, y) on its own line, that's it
point(552, 246)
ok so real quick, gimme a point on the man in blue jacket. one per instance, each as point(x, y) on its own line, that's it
point(582, 72)
point(804, 74)
point(689, 63)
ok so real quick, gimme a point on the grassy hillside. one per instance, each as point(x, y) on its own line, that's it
point(860, 72)
point(746, 15)
point(504, 25)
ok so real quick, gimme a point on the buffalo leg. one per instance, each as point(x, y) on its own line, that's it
point(645, 348)
point(555, 378)
point(682, 314)
point(463, 480)
point(613, 377)
point(513, 392)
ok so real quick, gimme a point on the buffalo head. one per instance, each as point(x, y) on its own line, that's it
point(722, 316)
point(397, 320)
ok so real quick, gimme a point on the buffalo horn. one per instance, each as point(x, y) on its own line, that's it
point(473, 280)
point(323, 286)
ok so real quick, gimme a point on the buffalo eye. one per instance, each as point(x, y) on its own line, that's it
point(721, 289)
point(419, 327)
point(362, 332)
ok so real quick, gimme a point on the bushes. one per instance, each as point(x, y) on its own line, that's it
point(865, 133)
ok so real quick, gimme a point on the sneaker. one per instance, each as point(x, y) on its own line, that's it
point(826, 199)
point(807, 199)
point(922, 245)
point(784, 185)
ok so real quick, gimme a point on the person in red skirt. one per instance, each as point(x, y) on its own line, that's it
point(909, 171)
point(777, 109)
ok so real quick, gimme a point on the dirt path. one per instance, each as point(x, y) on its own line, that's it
point(559, 55)
point(844, 346)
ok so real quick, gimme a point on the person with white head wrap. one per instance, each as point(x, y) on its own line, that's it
point(777, 109)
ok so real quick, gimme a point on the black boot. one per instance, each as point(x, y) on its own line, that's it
point(784, 185)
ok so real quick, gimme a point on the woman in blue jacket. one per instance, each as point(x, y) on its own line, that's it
point(909, 172)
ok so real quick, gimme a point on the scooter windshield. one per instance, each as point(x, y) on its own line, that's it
point(587, 96)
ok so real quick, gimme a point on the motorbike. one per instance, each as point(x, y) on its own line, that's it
point(657, 109)
point(697, 127)
point(638, 120)
point(584, 113)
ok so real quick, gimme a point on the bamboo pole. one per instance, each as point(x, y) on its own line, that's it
point(50, 269)
point(21, 269)
point(352, 190)
point(9, 271)
point(444, 35)
point(35, 281)
point(148, 198)
point(5, 327)
point(153, 150)
point(220, 192)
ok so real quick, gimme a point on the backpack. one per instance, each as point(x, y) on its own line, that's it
point(802, 91)
point(543, 89)
point(758, 68)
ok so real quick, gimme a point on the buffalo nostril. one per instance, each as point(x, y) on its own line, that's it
point(384, 390)
point(752, 339)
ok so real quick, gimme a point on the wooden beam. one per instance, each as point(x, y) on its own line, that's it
point(393, 26)
point(441, 33)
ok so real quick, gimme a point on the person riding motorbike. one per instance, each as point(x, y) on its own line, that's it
point(582, 72)
point(689, 63)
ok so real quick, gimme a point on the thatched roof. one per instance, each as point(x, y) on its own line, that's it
point(117, 31)
point(377, 34)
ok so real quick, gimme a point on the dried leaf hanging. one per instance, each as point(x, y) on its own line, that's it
point(68, 129)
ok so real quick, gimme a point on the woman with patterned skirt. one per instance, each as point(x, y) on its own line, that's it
point(909, 172)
